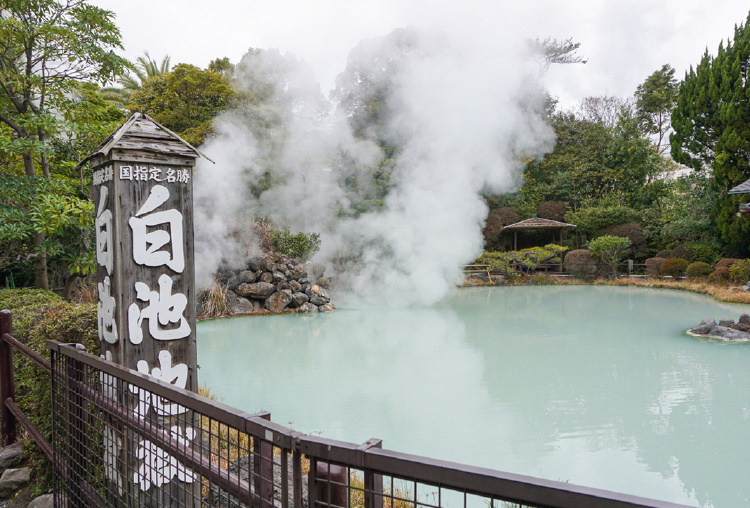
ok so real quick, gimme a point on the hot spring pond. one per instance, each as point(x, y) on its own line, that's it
point(598, 386)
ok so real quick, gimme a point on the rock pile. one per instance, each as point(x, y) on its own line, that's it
point(273, 284)
point(725, 329)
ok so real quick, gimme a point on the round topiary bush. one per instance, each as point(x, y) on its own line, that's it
point(719, 276)
point(740, 271)
point(674, 267)
point(653, 265)
point(726, 263)
point(698, 269)
point(580, 263)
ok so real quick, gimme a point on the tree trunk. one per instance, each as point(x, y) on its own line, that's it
point(70, 283)
point(28, 164)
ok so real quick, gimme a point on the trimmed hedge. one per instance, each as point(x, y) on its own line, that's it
point(740, 271)
point(653, 265)
point(720, 275)
point(39, 316)
point(726, 263)
point(698, 269)
point(674, 267)
point(580, 263)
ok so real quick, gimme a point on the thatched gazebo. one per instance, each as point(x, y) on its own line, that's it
point(536, 224)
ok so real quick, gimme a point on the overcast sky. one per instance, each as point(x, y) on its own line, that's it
point(623, 40)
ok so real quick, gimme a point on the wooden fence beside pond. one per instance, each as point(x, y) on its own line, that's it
point(237, 458)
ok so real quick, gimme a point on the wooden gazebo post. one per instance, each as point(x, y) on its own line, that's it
point(143, 199)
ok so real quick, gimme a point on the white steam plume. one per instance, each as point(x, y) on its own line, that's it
point(457, 117)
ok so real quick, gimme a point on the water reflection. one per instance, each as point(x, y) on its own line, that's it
point(598, 386)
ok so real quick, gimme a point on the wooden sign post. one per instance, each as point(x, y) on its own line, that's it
point(143, 199)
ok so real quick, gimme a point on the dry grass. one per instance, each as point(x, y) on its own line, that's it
point(85, 293)
point(215, 301)
point(722, 293)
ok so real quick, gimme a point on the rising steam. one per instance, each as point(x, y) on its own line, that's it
point(390, 170)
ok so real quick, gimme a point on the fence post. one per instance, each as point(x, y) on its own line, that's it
point(263, 467)
point(7, 385)
point(373, 482)
point(78, 449)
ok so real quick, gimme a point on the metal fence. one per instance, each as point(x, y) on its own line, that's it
point(121, 438)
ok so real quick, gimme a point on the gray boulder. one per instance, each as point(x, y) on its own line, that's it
point(246, 277)
point(479, 276)
point(726, 322)
point(298, 299)
point(744, 319)
point(259, 290)
point(278, 277)
point(326, 308)
point(726, 333)
point(296, 286)
point(12, 480)
point(244, 306)
point(705, 327)
point(266, 277)
point(308, 307)
point(10, 456)
point(279, 300)
point(317, 300)
point(45, 501)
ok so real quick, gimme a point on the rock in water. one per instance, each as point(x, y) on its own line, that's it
point(308, 307)
point(279, 300)
point(298, 299)
point(257, 290)
point(744, 319)
point(705, 327)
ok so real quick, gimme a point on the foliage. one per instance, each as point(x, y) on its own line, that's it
point(497, 219)
point(540, 279)
point(719, 275)
point(39, 316)
point(711, 125)
point(653, 265)
point(632, 231)
point(655, 99)
point(581, 264)
point(300, 246)
point(525, 260)
point(674, 267)
point(185, 100)
point(553, 210)
point(594, 219)
point(609, 250)
point(726, 263)
point(698, 269)
point(740, 271)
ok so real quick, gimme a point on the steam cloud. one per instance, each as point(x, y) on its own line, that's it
point(463, 116)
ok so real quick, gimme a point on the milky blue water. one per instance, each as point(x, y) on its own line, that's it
point(598, 386)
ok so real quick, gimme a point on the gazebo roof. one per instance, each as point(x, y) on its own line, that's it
point(539, 223)
point(743, 188)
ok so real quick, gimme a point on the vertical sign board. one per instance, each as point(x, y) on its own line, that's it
point(146, 310)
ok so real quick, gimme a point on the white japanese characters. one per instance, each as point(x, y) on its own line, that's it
point(157, 467)
point(163, 309)
point(173, 374)
point(151, 173)
point(105, 312)
point(148, 245)
point(103, 175)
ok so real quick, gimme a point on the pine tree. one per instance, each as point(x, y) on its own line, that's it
point(712, 129)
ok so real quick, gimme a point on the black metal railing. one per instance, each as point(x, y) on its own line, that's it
point(111, 447)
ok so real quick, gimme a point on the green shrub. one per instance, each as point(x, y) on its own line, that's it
point(39, 316)
point(539, 279)
point(581, 264)
point(553, 210)
point(719, 275)
point(653, 265)
point(674, 267)
point(526, 259)
point(299, 246)
point(704, 252)
point(698, 269)
point(740, 271)
point(609, 250)
point(726, 263)
point(632, 231)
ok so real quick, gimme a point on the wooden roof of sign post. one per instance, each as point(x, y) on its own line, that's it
point(743, 188)
point(141, 133)
point(539, 223)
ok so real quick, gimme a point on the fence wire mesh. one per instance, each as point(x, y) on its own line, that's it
point(123, 439)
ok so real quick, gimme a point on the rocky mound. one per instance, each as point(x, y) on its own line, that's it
point(272, 284)
point(725, 329)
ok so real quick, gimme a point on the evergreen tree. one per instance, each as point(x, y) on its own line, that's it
point(712, 129)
